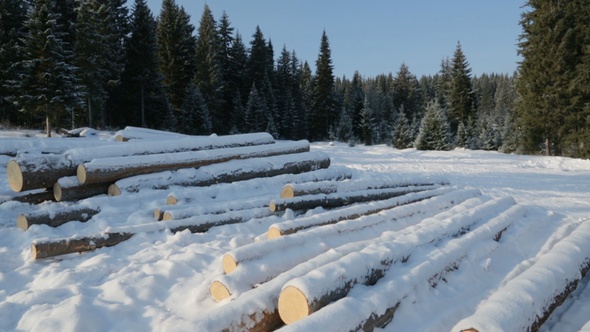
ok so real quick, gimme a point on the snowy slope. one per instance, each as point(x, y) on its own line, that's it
point(160, 281)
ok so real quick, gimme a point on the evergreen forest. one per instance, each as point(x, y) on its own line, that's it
point(108, 64)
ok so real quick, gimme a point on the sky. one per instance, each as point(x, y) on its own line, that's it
point(377, 36)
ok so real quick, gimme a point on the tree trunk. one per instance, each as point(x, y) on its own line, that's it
point(245, 170)
point(32, 198)
point(337, 200)
point(47, 124)
point(45, 249)
point(37, 172)
point(44, 217)
point(113, 169)
point(69, 189)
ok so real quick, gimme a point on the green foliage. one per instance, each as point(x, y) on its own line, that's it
point(322, 110)
point(402, 132)
point(434, 129)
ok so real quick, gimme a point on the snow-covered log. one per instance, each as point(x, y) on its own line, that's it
point(292, 190)
point(335, 200)
point(15, 146)
point(335, 235)
point(187, 211)
point(295, 225)
point(70, 189)
point(549, 281)
point(55, 218)
point(34, 197)
point(375, 307)
point(117, 235)
point(235, 170)
point(130, 133)
point(112, 169)
point(334, 173)
point(34, 171)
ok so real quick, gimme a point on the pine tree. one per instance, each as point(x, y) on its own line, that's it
point(322, 110)
point(366, 124)
point(434, 129)
point(238, 60)
point(257, 59)
point(194, 113)
point(141, 98)
point(406, 92)
point(461, 97)
point(402, 132)
point(48, 85)
point(554, 77)
point(228, 81)
point(13, 14)
point(176, 52)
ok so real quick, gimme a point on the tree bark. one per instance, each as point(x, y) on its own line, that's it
point(45, 249)
point(337, 200)
point(260, 168)
point(113, 169)
point(44, 217)
point(32, 198)
point(68, 189)
point(37, 172)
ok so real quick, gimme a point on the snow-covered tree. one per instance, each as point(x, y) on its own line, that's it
point(402, 132)
point(434, 129)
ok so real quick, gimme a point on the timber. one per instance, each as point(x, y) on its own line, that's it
point(334, 200)
point(219, 291)
point(45, 249)
point(33, 197)
point(116, 168)
point(68, 189)
point(43, 217)
point(35, 173)
point(266, 167)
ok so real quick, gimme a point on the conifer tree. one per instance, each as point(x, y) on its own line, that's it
point(461, 97)
point(406, 92)
point(48, 82)
point(238, 60)
point(258, 58)
point(402, 132)
point(434, 129)
point(228, 82)
point(194, 113)
point(367, 123)
point(13, 14)
point(322, 110)
point(176, 52)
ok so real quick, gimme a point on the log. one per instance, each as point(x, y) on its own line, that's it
point(54, 219)
point(42, 171)
point(292, 190)
point(367, 227)
point(117, 235)
point(46, 249)
point(130, 133)
point(232, 171)
point(335, 173)
point(553, 283)
point(112, 169)
point(183, 212)
point(293, 226)
point(341, 199)
point(307, 294)
point(69, 189)
point(39, 196)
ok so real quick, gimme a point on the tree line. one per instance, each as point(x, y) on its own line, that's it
point(95, 63)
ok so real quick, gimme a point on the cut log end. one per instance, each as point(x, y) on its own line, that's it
point(293, 305)
point(171, 200)
point(15, 176)
point(272, 206)
point(35, 252)
point(273, 233)
point(219, 291)
point(470, 330)
point(158, 214)
point(22, 222)
point(121, 138)
point(288, 191)
point(229, 264)
point(81, 173)
point(167, 216)
point(114, 190)
point(57, 192)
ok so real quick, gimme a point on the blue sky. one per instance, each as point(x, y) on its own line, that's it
point(377, 36)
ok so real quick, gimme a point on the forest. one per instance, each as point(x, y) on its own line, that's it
point(108, 64)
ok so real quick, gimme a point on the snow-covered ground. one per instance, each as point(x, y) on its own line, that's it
point(160, 281)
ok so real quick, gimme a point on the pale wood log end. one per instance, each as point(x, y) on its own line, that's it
point(22, 222)
point(158, 214)
point(273, 233)
point(293, 305)
point(272, 206)
point(57, 192)
point(229, 264)
point(81, 173)
point(167, 216)
point(15, 176)
point(288, 191)
point(171, 200)
point(114, 190)
point(219, 291)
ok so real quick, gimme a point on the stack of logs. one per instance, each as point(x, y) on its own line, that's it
point(115, 168)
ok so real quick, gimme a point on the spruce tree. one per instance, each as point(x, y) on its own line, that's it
point(228, 79)
point(402, 132)
point(367, 123)
point(461, 97)
point(406, 92)
point(48, 84)
point(257, 59)
point(13, 14)
point(194, 113)
point(434, 129)
point(322, 110)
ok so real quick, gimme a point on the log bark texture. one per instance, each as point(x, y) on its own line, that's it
point(338, 200)
point(232, 171)
point(32, 197)
point(45, 249)
point(62, 216)
point(69, 189)
point(37, 172)
point(113, 169)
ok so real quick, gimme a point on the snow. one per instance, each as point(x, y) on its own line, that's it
point(159, 280)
